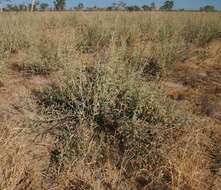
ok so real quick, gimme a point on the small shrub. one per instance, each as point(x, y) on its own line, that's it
point(93, 97)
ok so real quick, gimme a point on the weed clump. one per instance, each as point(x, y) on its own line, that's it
point(93, 95)
point(92, 38)
point(201, 32)
point(14, 36)
point(44, 59)
point(119, 119)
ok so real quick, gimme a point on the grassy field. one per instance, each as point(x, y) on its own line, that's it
point(110, 101)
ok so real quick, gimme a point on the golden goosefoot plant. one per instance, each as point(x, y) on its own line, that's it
point(112, 126)
point(106, 119)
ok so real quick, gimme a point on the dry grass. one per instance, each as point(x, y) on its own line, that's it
point(105, 121)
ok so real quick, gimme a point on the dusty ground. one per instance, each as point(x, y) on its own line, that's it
point(16, 114)
point(197, 82)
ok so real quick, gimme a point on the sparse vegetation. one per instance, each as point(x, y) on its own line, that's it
point(112, 100)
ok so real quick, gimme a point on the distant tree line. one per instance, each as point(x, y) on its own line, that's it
point(208, 8)
point(37, 6)
point(59, 5)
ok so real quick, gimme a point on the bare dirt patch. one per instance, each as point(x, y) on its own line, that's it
point(198, 81)
point(23, 156)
